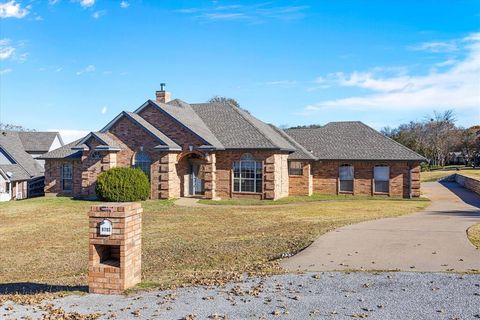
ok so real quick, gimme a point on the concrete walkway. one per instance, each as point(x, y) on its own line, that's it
point(432, 240)
point(189, 202)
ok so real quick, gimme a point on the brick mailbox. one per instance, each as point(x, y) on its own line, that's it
point(115, 241)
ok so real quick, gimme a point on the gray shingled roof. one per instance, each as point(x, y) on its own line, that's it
point(106, 142)
point(65, 152)
point(237, 129)
point(38, 142)
point(15, 172)
point(351, 140)
point(300, 152)
point(12, 145)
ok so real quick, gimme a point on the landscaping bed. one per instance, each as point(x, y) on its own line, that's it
point(474, 235)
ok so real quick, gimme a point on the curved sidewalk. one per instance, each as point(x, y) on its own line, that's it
point(431, 240)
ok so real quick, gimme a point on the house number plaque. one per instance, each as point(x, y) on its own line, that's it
point(105, 228)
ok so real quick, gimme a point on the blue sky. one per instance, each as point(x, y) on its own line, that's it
point(73, 65)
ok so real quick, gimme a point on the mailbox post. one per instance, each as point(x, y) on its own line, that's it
point(115, 240)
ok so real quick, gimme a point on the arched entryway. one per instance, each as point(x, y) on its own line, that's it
point(191, 173)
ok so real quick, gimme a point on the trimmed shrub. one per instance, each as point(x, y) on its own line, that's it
point(424, 167)
point(123, 185)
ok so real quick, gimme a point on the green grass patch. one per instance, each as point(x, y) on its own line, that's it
point(300, 199)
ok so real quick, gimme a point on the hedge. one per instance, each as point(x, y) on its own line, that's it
point(123, 185)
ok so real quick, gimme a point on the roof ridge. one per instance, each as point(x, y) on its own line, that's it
point(292, 140)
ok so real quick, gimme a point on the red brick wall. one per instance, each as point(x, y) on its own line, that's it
point(53, 178)
point(170, 128)
point(299, 185)
point(224, 165)
point(325, 177)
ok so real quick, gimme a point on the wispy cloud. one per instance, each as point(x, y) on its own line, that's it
point(12, 9)
point(87, 3)
point(124, 4)
point(98, 14)
point(456, 86)
point(436, 46)
point(6, 50)
point(88, 69)
point(283, 83)
point(104, 110)
point(5, 71)
point(255, 13)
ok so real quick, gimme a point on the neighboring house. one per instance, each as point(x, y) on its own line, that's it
point(217, 150)
point(21, 175)
point(456, 158)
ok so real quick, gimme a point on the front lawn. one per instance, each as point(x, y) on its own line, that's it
point(44, 240)
point(474, 235)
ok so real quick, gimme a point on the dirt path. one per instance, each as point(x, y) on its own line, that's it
point(432, 240)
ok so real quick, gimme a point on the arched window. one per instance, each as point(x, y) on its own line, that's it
point(346, 178)
point(247, 174)
point(142, 160)
point(381, 178)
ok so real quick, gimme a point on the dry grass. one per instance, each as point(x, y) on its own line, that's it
point(439, 174)
point(44, 240)
point(474, 235)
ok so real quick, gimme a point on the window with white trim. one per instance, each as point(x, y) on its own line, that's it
point(142, 161)
point(381, 178)
point(295, 168)
point(346, 178)
point(247, 174)
point(67, 177)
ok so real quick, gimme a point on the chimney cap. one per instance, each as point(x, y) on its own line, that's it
point(162, 86)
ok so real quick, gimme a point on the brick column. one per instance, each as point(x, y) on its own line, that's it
point(211, 177)
point(169, 182)
point(115, 259)
point(269, 178)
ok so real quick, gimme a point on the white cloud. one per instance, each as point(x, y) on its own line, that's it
point(124, 4)
point(70, 135)
point(456, 86)
point(87, 3)
point(436, 46)
point(253, 13)
point(6, 52)
point(98, 14)
point(5, 71)
point(89, 68)
point(53, 2)
point(104, 110)
point(12, 9)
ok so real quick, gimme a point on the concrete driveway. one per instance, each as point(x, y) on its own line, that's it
point(432, 240)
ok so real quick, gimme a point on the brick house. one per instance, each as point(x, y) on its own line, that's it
point(216, 150)
point(21, 172)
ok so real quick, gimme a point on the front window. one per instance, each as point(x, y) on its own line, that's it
point(346, 178)
point(381, 178)
point(142, 161)
point(67, 177)
point(295, 168)
point(247, 174)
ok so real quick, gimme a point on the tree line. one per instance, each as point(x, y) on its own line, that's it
point(437, 137)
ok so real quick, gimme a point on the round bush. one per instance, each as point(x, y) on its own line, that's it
point(122, 185)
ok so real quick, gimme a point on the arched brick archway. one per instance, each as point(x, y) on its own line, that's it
point(190, 169)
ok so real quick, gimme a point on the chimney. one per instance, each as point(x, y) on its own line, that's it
point(162, 95)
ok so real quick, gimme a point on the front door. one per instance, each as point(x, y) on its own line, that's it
point(196, 181)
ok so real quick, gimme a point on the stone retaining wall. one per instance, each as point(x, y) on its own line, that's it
point(467, 182)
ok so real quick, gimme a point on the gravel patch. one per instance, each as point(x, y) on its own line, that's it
point(326, 295)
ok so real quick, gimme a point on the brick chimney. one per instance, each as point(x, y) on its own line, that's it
point(162, 95)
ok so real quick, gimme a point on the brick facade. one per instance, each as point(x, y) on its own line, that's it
point(170, 170)
point(115, 260)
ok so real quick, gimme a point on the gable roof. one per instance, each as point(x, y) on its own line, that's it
point(351, 140)
point(183, 114)
point(25, 166)
point(300, 152)
point(65, 152)
point(165, 142)
point(237, 129)
point(38, 142)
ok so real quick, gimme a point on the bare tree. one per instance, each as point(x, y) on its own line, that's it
point(12, 127)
